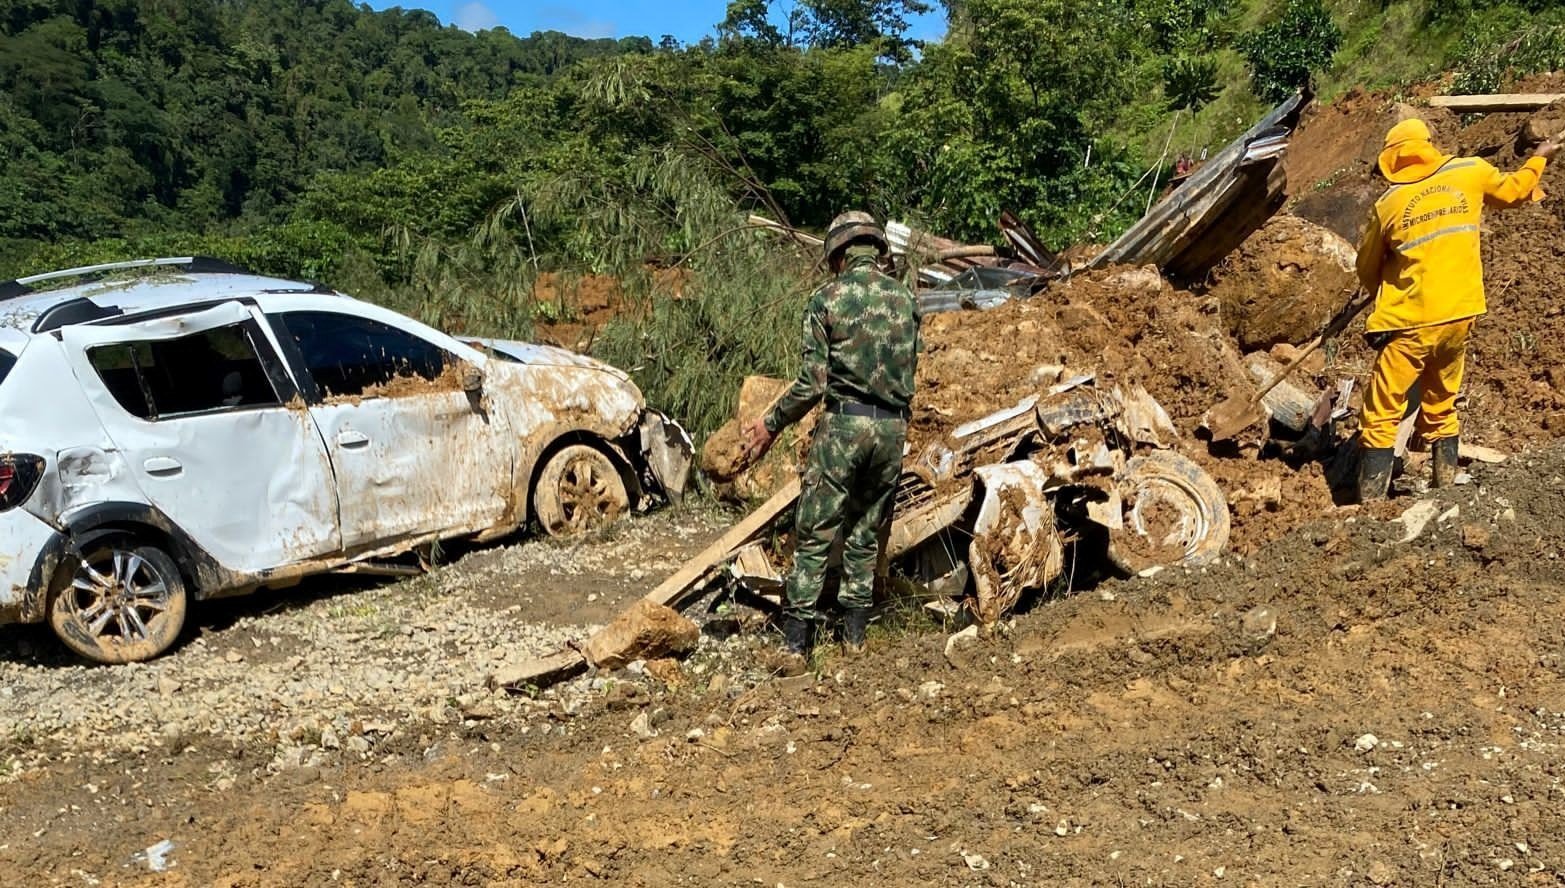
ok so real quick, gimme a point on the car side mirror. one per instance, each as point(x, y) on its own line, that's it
point(472, 379)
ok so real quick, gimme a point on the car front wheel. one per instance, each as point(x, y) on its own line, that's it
point(579, 490)
point(120, 602)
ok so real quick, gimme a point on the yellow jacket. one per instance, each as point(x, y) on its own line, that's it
point(1420, 253)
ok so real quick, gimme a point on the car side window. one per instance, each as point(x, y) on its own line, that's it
point(351, 356)
point(204, 372)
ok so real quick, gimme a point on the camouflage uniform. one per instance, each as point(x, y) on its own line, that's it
point(861, 344)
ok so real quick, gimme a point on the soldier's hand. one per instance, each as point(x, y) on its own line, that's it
point(756, 439)
point(1547, 150)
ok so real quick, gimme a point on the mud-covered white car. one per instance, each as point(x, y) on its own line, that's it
point(179, 429)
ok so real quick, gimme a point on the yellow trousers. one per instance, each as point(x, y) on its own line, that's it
point(1433, 357)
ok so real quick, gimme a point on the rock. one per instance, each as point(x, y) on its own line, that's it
point(959, 641)
point(1416, 519)
point(1259, 622)
point(929, 690)
point(1477, 453)
point(234, 657)
point(1381, 874)
point(480, 710)
point(1475, 536)
point(1366, 743)
point(1543, 125)
point(666, 670)
point(641, 726)
point(975, 861)
point(167, 685)
point(644, 631)
point(329, 739)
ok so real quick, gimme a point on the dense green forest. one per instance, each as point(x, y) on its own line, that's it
point(441, 171)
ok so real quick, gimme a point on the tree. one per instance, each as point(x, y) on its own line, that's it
point(1285, 54)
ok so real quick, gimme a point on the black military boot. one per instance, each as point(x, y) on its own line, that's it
point(1375, 465)
point(855, 621)
point(1442, 456)
point(794, 656)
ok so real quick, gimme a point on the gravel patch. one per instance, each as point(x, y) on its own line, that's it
point(321, 672)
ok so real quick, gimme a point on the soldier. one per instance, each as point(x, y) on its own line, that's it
point(860, 351)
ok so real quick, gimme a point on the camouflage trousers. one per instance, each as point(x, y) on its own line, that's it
point(849, 480)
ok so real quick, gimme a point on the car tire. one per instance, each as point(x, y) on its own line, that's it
point(1174, 514)
point(579, 490)
point(121, 601)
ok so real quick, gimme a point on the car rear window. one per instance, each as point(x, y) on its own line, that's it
point(166, 378)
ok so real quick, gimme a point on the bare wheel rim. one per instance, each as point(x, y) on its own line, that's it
point(119, 598)
point(1150, 519)
point(589, 494)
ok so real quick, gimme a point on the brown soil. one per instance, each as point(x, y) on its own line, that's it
point(583, 305)
point(1346, 710)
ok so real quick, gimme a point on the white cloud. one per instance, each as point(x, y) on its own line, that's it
point(475, 16)
point(573, 22)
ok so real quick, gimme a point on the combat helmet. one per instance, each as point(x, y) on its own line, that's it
point(852, 226)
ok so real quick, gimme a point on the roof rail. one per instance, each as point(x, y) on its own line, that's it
point(194, 264)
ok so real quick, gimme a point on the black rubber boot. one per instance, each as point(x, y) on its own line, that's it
point(1375, 465)
point(855, 621)
point(794, 656)
point(798, 635)
point(1443, 454)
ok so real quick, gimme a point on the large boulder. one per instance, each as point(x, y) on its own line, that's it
point(1284, 283)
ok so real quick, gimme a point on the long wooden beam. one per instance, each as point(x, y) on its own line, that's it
point(1496, 102)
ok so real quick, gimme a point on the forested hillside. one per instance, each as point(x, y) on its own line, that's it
point(443, 171)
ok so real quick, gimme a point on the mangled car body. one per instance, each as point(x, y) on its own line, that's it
point(193, 430)
point(987, 513)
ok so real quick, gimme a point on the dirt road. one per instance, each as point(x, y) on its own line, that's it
point(1401, 724)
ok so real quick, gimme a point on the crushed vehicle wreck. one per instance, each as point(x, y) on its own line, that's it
point(208, 432)
point(984, 517)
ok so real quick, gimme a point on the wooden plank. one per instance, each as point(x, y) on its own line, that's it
point(1497, 102)
point(539, 673)
point(723, 548)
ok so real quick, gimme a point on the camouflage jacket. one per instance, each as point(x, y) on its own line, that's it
point(861, 344)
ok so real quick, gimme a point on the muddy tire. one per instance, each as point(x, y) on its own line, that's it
point(1174, 515)
point(121, 602)
point(579, 490)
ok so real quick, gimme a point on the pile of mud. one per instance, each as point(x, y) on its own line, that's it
point(1515, 393)
point(1127, 326)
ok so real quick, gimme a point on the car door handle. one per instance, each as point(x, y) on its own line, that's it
point(352, 440)
point(163, 467)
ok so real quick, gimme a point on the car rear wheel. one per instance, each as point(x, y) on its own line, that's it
point(120, 602)
point(579, 490)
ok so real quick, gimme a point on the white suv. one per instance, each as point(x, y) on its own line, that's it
point(176, 429)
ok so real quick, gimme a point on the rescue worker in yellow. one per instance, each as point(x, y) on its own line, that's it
point(1420, 257)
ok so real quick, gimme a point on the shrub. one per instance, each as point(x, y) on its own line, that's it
point(1286, 53)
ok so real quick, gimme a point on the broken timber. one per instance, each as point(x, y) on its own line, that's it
point(1496, 103)
point(673, 592)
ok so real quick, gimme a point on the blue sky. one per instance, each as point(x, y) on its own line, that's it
point(687, 20)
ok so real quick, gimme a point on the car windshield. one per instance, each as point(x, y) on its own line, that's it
point(7, 361)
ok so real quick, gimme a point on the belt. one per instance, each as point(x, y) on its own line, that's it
point(867, 411)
